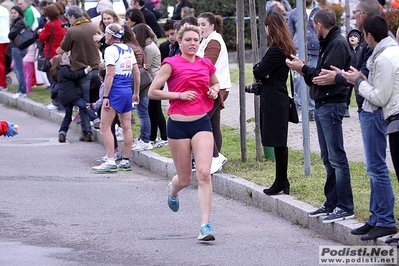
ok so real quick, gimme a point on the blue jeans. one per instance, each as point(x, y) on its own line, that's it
point(337, 189)
point(18, 56)
point(299, 84)
point(145, 124)
point(84, 84)
point(382, 200)
point(68, 116)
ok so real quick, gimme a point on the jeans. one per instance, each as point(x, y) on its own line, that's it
point(382, 200)
point(337, 189)
point(68, 116)
point(145, 124)
point(299, 84)
point(84, 84)
point(18, 56)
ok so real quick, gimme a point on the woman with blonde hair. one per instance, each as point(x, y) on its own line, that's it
point(192, 88)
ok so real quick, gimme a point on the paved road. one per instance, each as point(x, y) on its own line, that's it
point(54, 211)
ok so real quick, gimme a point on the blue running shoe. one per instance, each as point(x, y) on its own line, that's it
point(172, 202)
point(206, 233)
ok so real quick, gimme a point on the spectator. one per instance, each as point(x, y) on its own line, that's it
point(371, 121)
point(274, 100)
point(214, 48)
point(79, 41)
point(4, 41)
point(18, 24)
point(70, 95)
point(153, 58)
point(149, 17)
point(330, 103)
point(134, 17)
point(354, 40)
point(381, 89)
point(150, 6)
point(108, 17)
point(180, 5)
point(192, 87)
point(101, 7)
point(312, 45)
point(170, 47)
point(53, 31)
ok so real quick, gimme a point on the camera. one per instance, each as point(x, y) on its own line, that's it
point(65, 24)
point(253, 88)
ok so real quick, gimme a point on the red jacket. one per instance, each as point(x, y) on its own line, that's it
point(58, 35)
point(3, 127)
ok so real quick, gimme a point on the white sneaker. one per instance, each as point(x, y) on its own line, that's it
point(3, 88)
point(19, 95)
point(51, 107)
point(119, 134)
point(136, 142)
point(217, 163)
point(142, 146)
point(117, 156)
point(160, 143)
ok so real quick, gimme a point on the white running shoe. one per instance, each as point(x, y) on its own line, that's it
point(119, 134)
point(217, 163)
point(117, 156)
point(105, 168)
point(142, 146)
point(51, 107)
point(19, 95)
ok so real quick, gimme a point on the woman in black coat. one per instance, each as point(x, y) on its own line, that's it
point(17, 25)
point(274, 100)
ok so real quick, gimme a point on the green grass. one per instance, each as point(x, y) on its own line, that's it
point(306, 188)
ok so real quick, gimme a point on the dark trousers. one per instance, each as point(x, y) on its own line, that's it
point(394, 147)
point(157, 120)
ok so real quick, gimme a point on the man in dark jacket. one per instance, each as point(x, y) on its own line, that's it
point(84, 52)
point(330, 108)
point(70, 95)
point(149, 17)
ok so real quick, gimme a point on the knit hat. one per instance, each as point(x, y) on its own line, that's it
point(355, 33)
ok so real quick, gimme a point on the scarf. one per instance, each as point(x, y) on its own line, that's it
point(80, 21)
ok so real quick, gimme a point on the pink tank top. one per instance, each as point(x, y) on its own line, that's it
point(187, 76)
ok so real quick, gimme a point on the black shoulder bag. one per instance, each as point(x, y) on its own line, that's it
point(43, 63)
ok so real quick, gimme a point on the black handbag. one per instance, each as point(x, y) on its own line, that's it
point(25, 38)
point(43, 63)
point(292, 112)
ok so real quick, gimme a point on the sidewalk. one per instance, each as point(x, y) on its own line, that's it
point(234, 187)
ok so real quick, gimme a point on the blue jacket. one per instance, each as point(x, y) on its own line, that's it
point(312, 40)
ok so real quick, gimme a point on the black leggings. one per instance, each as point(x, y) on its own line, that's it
point(157, 120)
point(214, 116)
point(394, 148)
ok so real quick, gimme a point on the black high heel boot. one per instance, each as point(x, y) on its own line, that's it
point(281, 182)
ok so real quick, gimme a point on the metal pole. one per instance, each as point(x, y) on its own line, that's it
point(255, 59)
point(241, 70)
point(304, 93)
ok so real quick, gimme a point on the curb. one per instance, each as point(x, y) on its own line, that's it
point(230, 186)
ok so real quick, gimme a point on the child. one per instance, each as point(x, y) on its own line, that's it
point(70, 95)
point(354, 38)
point(96, 106)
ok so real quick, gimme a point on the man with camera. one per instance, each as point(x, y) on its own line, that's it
point(84, 52)
point(330, 101)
